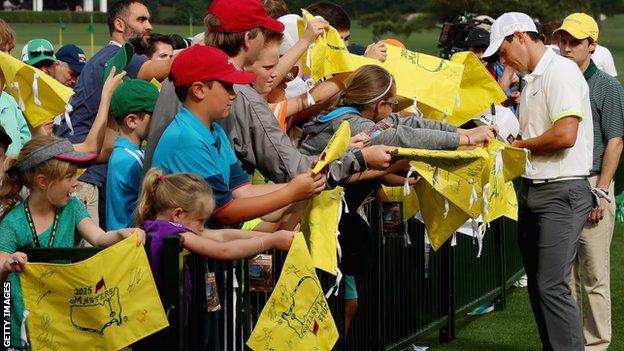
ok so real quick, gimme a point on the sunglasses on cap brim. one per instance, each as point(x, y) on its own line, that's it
point(38, 53)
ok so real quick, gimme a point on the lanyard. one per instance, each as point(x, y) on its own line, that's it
point(31, 224)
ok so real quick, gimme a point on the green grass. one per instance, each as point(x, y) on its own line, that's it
point(514, 329)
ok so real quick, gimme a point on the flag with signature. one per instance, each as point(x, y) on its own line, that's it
point(296, 316)
point(106, 302)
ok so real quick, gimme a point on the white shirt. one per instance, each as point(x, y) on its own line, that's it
point(604, 60)
point(556, 88)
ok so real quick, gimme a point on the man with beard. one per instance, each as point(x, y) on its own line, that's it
point(127, 20)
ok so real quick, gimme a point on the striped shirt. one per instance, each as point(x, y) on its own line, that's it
point(607, 103)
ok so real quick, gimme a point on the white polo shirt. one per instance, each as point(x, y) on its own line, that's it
point(604, 60)
point(556, 89)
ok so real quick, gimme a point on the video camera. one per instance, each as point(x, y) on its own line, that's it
point(453, 35)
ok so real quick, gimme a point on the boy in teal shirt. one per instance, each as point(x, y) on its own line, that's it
point(131, 106)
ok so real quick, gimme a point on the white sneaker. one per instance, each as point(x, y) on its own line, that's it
point(521, 283)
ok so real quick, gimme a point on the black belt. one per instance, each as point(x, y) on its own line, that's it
point(552, 180)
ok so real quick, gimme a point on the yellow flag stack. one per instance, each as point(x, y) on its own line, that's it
point(459, 185)
point(457, 89)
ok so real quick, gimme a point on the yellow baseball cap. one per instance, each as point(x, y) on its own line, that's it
point(580, 26)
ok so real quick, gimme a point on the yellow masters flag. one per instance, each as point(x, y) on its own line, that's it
point(320, 226)
point(441, 217)
point(454, 174)
point(328, 54)
point(505, 164)
point(106, 302)
point(337, 145)
point(296, 316)
point(430, 80)
point(39, 96)
point(477, 92)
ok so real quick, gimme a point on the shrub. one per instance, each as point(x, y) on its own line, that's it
point(51, 16)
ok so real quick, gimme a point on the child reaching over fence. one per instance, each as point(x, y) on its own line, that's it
point(180, 204)
point(50, 217)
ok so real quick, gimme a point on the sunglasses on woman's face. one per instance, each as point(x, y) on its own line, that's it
point(38, 53)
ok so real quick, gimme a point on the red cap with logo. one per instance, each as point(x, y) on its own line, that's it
point(242, 15)
point(201, 63)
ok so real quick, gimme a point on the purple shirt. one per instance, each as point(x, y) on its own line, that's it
point(157, 230)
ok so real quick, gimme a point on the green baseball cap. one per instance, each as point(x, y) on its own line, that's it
point(133, 96)
point(38, 50)
point(120, 61)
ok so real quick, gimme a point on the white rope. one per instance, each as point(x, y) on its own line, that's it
point(454, 239)
point(416, 109)
point(334, 289)
point(457, 100)
point(473, 193)
point(485, 204)
point(23, 331)
point(480, 235)
point(338, 247)
point(35, 87)
point(344, 201)
point(406, 238)
point(68, 109)
point(20, 101)
point(446, 208)
point(406, 187)
point(498, 162)
point(435, 179)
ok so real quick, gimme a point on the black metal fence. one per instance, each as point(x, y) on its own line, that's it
point(411, 291)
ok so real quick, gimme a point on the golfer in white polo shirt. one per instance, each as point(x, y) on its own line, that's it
point(554, 199)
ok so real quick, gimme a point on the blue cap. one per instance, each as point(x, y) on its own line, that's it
point(73, 56)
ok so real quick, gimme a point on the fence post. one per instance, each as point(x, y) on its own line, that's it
point(172, 300)
point(447, 291)
point(501, 257)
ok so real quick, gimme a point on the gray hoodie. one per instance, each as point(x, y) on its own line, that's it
point(412, 132)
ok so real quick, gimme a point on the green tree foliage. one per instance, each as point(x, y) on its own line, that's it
point(185, 8)
point(356, 8)
point(394, 22)
point(447, 10)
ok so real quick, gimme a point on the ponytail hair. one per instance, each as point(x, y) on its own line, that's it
point(12, 183)
point(161, 192)
point(367, 85)
point(13, 180)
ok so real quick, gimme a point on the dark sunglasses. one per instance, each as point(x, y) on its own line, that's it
point(38, 53)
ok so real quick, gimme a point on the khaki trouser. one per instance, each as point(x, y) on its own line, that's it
point(594, 257)
point(88, 195)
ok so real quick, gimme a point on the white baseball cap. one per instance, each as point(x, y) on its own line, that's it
point(505, 25)
point(505, 120)
point(291, 32)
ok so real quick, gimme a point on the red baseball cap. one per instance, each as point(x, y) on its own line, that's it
point(242, 15)
point(201, 63)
